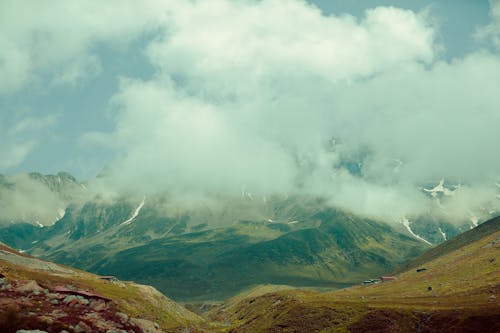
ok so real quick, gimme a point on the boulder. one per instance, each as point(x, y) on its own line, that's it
point(28, 287)
point(145, 326)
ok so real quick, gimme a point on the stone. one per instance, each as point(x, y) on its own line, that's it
point(28, 287)
point(98, 305)
point(69, 298)
point(81, 327)
point(145, 326)
point(122, 316)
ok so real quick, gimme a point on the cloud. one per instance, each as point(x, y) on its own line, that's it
point(275, 97)
point(29, 201)
point(491, 32)
point(20, 135)
point(55, 41)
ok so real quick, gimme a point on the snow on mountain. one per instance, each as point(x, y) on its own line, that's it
point(135, 213)
point(406, 223)
point(439, 188)
point(442, 233)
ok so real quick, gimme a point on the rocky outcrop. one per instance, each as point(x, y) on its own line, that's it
point(26, 306)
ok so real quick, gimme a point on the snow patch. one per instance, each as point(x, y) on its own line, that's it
point(135, 213)
point(60, 214)
point(439, 188)
point(270, 220)
point(406, 223)
point(293, 222)
point(474, 219)
point(442, 233)
point(39, 224)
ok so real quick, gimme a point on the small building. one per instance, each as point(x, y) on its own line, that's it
point(387, 278)
point(421, 269)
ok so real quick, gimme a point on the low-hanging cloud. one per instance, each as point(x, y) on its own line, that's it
point(277, 97)
point(20, 135)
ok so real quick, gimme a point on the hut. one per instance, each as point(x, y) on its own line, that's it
point(387, 278)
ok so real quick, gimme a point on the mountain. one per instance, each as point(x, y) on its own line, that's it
point(36, 294)
point(37, 199)
point(457, 292)
point(216, 251)
point(455, 289)
point(211, 249)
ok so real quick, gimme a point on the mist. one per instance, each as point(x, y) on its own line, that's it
point(278, 98)
point(364, 113)
point(24, 199)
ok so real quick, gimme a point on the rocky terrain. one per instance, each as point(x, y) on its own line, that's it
point(452, 288)
point(36, 294)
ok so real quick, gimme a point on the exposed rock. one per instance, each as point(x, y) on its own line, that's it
point(122, 316)
point(30, 331)
point(81, 327)
point(69, 298)
point(98, 305)
point(146, 326)
point(28, 287)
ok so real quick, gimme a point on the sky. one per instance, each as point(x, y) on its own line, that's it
point(362, 101)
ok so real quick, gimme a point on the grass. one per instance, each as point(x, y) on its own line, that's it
point(465, 285)
point(134, 300)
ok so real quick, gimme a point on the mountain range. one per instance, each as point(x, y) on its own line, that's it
point(450, 288)
point(214, 249)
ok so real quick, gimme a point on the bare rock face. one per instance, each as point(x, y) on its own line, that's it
point(146, 326)
point(28, 287)
point(82, 327)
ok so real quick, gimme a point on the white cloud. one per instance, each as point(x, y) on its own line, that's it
point(491, 32)
point(251, 93)
point(20, 136)
point(56, 40)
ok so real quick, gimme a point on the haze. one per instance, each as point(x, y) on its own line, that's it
point(366, 107)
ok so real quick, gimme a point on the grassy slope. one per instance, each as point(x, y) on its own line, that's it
point(133, 299)
point(457, 242)
point(465, 284)
point(217, 264)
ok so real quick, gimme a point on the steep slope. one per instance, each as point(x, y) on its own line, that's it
point(36, 294)
point(458, 292)
point(215, 264)
point(457, 242)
